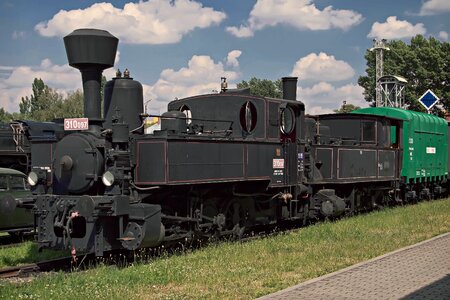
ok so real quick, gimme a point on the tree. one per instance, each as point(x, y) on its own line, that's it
point(72, 106)
point(102, 87)
point(263, 87)
point(5, 116)
point(42, 105)
point(425, 63)
point(32, 103)
point(46, 104)
point(346, 108)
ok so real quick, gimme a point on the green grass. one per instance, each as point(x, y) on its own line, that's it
point(25, 253)
point(249, 270)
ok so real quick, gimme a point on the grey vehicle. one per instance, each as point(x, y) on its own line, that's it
point(15, 216)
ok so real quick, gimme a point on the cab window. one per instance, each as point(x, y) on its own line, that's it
point(17, 183)
point(287, 120)
point(248, 117)
point(3, 183)
point(368, 131)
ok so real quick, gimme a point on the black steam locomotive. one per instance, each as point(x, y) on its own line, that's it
point(15, 150)
point(15, 141)
point(15, 160)
point(221, 163)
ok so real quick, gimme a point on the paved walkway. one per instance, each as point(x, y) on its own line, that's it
point(421, 271)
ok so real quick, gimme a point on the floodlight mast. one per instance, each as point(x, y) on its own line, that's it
point(378, 47)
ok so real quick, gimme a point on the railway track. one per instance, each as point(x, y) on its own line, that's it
point(64, 264)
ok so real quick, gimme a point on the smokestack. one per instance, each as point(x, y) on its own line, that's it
point(289, 88)
point(91, 51)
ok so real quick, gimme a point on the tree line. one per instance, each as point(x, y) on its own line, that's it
point(46, 104)
point(425, 63)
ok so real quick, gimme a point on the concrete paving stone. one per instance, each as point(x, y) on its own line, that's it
point(421, 271)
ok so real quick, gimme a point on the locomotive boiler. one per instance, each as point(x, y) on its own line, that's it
point(221, 163)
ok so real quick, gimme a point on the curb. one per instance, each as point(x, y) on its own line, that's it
point(269, 296)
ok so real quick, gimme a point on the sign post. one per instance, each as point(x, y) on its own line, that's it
point(428, 100)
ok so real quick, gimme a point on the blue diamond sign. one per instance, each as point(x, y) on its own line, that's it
point(428, 99)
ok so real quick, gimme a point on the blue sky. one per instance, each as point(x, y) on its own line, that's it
point(182, 47)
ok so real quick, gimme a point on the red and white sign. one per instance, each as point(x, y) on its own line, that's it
point(76, 124)
point(278, 163)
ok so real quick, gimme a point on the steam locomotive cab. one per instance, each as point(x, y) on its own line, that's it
point(355, 155)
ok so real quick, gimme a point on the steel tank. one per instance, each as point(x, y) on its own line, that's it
point(123, 102)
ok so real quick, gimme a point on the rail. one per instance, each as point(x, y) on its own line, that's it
point(64, 263)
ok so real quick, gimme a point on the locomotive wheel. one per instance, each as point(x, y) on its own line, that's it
point(235, 216)
point(210, 207)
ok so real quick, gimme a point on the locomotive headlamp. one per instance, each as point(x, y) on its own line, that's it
point(33, 178)
point(108, 178)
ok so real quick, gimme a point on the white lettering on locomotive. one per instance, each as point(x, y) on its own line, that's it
point(76, 124)
point(278, 163)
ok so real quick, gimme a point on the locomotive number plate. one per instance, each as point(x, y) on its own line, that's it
point(278, 163)
point(76, 124)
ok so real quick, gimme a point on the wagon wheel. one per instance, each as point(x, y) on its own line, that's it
point(388, 200)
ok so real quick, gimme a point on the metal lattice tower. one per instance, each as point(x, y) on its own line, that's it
point(392, 90)
point(378, 47)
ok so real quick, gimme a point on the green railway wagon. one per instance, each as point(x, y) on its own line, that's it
point(424, 140)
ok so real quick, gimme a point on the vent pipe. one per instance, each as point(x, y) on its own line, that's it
point(91, 51)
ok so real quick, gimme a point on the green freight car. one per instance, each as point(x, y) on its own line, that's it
point(424, 140)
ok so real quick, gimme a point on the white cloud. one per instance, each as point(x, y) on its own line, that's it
point(202, 75)
point(240, 32)
point(232, 58)
point(146, 22)
point(5, 71)
point(300, 14)
point(18, 35)
point(395, 29)
point(323, 97)
point(443, 35)
point(434, 7)
point(16, 82)
point(322, 67)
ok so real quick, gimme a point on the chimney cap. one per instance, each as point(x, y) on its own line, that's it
point(91, 47)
